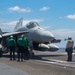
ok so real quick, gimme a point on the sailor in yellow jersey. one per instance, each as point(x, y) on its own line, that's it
point(69, 48)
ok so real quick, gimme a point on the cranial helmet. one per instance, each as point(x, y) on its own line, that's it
point(69, 37)
point(11, 36)
point(22, 36)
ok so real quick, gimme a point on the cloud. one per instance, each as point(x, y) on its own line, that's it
point(44, 8)
point(10, 23)
point(18, 9)
point(9, 26)
point(36, 20)
point(47, 27)
point(71, 16)
point(64, 32)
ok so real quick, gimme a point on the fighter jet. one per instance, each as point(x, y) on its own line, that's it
point(39, 38)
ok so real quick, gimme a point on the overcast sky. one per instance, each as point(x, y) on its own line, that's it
point(57, 16)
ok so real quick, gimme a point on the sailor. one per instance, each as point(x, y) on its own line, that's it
point(27, 51)
point(22, 45)
point(12, 46)
point(69, 48)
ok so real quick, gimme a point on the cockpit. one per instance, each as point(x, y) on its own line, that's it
point(32, 25)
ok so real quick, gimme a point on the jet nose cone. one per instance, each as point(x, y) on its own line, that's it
point(49, 35)
point(46, 36)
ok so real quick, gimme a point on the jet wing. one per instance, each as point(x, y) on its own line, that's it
point(13, 33)
point(56, 41)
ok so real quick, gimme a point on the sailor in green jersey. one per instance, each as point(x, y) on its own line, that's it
point(22, 47)
point(12, 46)
point(22, 42)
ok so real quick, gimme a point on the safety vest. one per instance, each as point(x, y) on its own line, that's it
point(22, 42)
point(11, 42)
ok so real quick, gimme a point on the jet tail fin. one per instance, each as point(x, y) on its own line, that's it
point(19, 24)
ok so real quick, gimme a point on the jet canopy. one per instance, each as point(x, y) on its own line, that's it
point(32, 25)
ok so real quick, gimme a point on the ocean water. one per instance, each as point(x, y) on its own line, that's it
point(64, 49)
point(61, 48)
